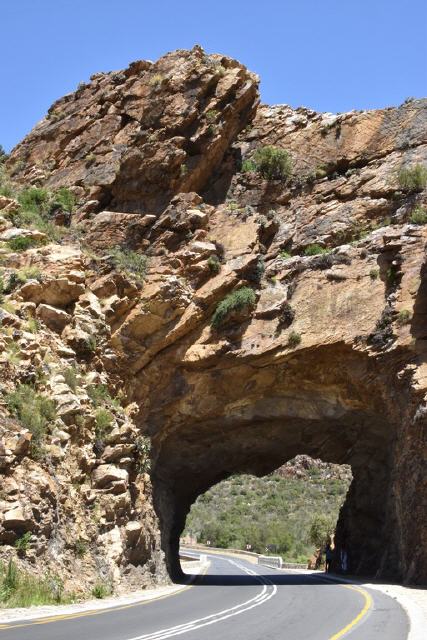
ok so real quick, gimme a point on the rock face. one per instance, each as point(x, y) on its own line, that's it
point(329, 359)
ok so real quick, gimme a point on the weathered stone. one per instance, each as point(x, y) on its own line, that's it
point(107, 474)
point(55, 319)
point(57, 292)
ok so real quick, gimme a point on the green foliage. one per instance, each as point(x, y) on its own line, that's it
point(248, 166)
point(20, 589)
point(374, 273)
point(143, 450)
point(418, 216)
point(265, 511)
point(28, 273)
point(20, 243)
point(99, 394)
point(100, 591)
point(315, 250)
point(130, 262)
point(70, 377)
point(80, 548)
point(321, 529)
point(3, 155)
point(32, 325)
point(34, 411)
point(214, 264)
point(294, 339)
point(104, 421)
point(413, 178)
point(239, 300)
point(62, 199)
point(91, 343)
point(273, 163)
point(212, 116)
point(285, 255)
point(23, 542)
point(404, 317)
point(33, 198)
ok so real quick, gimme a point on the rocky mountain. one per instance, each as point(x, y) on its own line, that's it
point(196, 285)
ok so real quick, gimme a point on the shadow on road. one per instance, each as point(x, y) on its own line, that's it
point(250, 581)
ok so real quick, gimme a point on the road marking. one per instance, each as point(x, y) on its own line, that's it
point(93, 612)
point(219, 616)
point(367, 606)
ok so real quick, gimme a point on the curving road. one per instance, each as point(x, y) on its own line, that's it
point(236, 600)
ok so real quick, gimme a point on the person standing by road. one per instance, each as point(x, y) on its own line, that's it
point(328, 557)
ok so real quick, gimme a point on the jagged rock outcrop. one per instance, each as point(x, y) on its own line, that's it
point(327, 355)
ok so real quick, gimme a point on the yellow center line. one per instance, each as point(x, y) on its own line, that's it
point(366, 607)
point(93, 612)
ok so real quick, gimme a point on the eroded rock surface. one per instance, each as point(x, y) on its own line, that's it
point(329, 359)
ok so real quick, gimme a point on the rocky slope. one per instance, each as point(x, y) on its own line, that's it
point(321, 353)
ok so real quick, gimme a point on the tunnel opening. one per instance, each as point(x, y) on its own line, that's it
point(210, 424)
point(291, 512)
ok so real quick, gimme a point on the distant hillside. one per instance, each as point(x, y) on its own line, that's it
point(274, 510)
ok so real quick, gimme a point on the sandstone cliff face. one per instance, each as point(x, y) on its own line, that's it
point(327, 360)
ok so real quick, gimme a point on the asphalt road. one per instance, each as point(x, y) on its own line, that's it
point(237, 600)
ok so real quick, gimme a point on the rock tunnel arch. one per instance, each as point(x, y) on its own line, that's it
point(329, 403)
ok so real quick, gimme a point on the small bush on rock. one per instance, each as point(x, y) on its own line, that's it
point(34, 411)
point(20, 243)
point(243, 298)
point(403, 317)
point(214, 264)
point(418, 216)
point(129, 262)
point(294, 339)
point(413, 178)
point(273, 163)
point(315, 250)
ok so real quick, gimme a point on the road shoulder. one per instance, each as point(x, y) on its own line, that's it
point(11, 616)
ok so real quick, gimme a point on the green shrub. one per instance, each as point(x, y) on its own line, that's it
point(33, 325)
point(294, 339)
point(33, 198)
point(143, 450)
point(243, 298)
point(70, 377)
point(285, 255)
point(273, 163)
point(418, 216)
point(100, 591)
point(129, 262)
point(21, 589)
point(3, 155)
point(214, 264)
point(248, 166)
point(80, 548)
point(99, 394)
point(321, 529)
point(413, 178)
point(104, 420)
point(20, 243)
point(374, 273)
point(315, 250)
point(23, 542)
point(34, 411)
point(404, 317)
point(28, 273)
point(63, 199)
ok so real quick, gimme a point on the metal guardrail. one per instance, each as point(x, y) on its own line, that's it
point(271, 561)
point(284, 565)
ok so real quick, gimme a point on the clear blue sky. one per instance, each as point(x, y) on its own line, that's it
point(330, 55)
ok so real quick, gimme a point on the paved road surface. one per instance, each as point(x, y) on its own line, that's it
point(237, 600)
